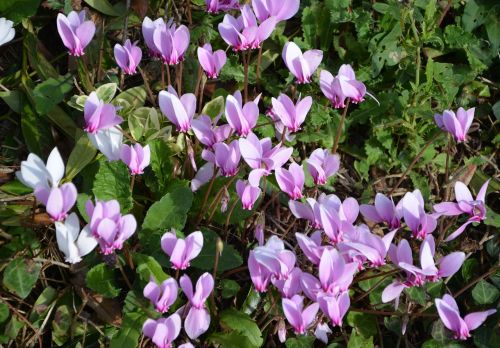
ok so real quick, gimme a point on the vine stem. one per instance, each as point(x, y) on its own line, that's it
point(414, 162)
point(341, 125)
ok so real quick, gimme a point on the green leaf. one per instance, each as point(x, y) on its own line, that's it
point(161, 163)
point(19, 9)
point(132, 97)
point(436, 344)
point(101, 279)
point(4, 312)
point(107, 91)
point(485, 293)
point(300, 342)
point(13, 326)
point(42, 305)
point(112, 181)
point(36, 134)
point(243, 324)
point(358, 341)
point(229, 259)
point(13, 100)
point(61, 324)
point(229, 288)
point(469, 269)
point(141, 119)
point(365, 324)
point(130, 331)
point(417, 294)
point(20, 276)
point(230, 340)
point(82, 154)
point(15, 187)
point(214, 108)
point(51, 92)
point(104, 6)
point(148, 267)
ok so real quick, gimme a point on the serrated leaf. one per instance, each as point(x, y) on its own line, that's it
point(485, 293)
point(101, 279)
point(243, 324)
point(20, 276)
point(229, 288)
point(358, 341)
point(130, 331)
point(300, 342)
point(112, 181)
point(365, 324)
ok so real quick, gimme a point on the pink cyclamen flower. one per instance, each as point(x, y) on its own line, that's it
point(179, 111)
point(259, 274)
point(182, 251)
point(128, 56)
point(148, 29)
point(241, 118)
point(198, 317)
point(99, 115)
point(57, 200)
point(207, 131)
point(383, 210)
point(211, 62)
point(108, 226)
point(291, 181)
point(259, 153)
point(161, 296)
point(335, 275)
point(75, 31)
point(244, 33)
point(342, 86)
point(415, 217)
point(335, 307)
point(289, 286)
point(311, 246)
point(466, 204)
point(308, 210)
point(457, 125)
point(135, 157)
point(248, 194)
point(273, 255)
point(450, 316)
point(227, 157)
point(368, 246)
point(291, 115)
point(163, 331)
point(302, 66)
point(171, 42)
point(299, 317)
point(322, 165)
point(280, 9)
point(216, 6)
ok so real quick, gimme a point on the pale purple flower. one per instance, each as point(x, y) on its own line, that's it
point(308, 210)
point(415, 217)
point(73, 243)
point(208, 133)
point(163, 331)
point(322, 165)
point(241, 118)
point(128, 56)
point(203, 176)
point(198, 317)
point(99, 115)
point(260, 224)
point(260, 155)
point(368, 246)
point(299, 317)
point(291, 181)
point(57, 200)
point(135, 157)
point(227, 157)
point(311, 246)
point(457, 125)
point(273, 255)
point(280, 9)
point(322, 331)
point(383, 210)
point(248, 194)
point(337, 89)
point(171, 42)
point(302, 66)
point(161, 296)
point(35, 173)
point(450, 316)
point(75, 31)
point(291, 115)
point(259, 274)
point(148, 30)
point(211, 62)
point(182, 251)
point(244, 32)
point(289, 286)
point(103, 210)
point(466, 204)
point(179, 111)
point(216, 6)
point(335, 306)
point(108, 141)
point(335, 275)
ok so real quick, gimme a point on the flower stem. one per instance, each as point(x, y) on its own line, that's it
point(205, 199)
point(259, 61)
point(162, 77)
point(341, 125)
point(245, 71)
point(414, 162)
point(226, 227)
point(179, 78)
point(132, 181)
point(122, 271)
point(168, 75)
point(146, 85)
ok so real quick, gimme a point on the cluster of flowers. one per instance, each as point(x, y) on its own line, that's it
point(350, 247)
point(164, 331)
point(107, 226)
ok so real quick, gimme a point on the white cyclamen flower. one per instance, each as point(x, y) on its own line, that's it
point(6, 31)
point(34, 173)
point(109, 142)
